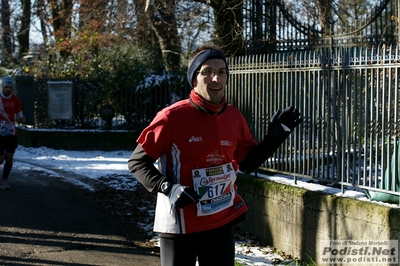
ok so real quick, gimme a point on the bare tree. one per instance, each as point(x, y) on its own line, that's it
point(61, 12)
point(229, 25)
point(195, 24)
point(93, 19)
point(41, 13)
point(6, 28)
point(352, 13)
point(325, 14)
point(23, 33)
point(144, 36)
point(163, 22)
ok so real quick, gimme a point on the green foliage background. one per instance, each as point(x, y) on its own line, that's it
point(133, 81)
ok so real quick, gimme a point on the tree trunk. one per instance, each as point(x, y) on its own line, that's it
point(163, 23)
point(144, 35)
point(93, 18)
point(43, 20)
point(229, 26)
point(6, 29)
point(23, 33)
point(62, 13)
point(325, 15)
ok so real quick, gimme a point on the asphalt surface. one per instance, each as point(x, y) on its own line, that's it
point(47, 221)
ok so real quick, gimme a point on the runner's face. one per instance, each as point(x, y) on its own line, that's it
point(7, 90)
point(211, 86)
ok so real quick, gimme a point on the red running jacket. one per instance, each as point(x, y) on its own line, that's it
point(184, 139)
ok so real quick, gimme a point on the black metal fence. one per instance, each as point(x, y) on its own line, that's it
point(349, 98)
point(350, 101)
point(271, 26)
point(95, 106)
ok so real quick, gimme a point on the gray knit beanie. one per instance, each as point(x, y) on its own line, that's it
point(8, 81)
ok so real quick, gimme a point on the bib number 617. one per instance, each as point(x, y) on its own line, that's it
point(215, 191)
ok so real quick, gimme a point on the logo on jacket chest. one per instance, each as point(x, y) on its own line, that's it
point(226, 143)
point(195, 139)
point(9, 105)
point(215, 158)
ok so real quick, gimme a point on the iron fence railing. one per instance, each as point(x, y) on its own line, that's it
point(349, 98)
point(350, 101)
point(120, 107)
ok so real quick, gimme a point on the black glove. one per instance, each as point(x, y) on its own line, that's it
point(289, 118)
point(182, 196)
point(280, 126)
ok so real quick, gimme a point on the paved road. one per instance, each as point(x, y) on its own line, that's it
point(45, 221)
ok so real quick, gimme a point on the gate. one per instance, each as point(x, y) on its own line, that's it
point(26, 93)
point(272, 26)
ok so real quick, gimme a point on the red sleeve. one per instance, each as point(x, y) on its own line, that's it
point(156, 137)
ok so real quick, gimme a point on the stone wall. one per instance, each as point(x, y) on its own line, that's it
point(293, 220)
point(296, 220)
point(105, 140)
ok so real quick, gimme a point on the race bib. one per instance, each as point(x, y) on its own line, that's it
point(215, 186)
point(6, 128)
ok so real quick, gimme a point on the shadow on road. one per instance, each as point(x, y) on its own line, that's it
point(46, 221)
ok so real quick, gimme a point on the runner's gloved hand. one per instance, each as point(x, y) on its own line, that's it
point(182, 196)
point(289, 118)
point(280, 126)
